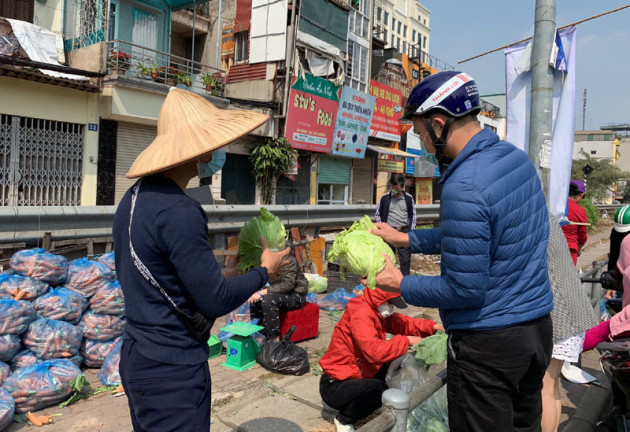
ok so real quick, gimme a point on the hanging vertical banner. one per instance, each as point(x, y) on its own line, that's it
point(353, 123)
point(387, 112)
point(558, 152)
point(311, 114)
point(424, 191)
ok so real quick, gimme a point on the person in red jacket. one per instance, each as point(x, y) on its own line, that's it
point(576, 234)
point(359, 354)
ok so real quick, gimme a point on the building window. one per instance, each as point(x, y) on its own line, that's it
point(359, 22)
point(393, 24)
point(590, 137)
point(424, 22)
point(378, 13)
point(17, 9)
point(404, 46)
point(398, 44)
point(332, 194)
point(241, 42)
point(593, 152)
point(405, 31)
point(386, 17)
point(385, 35)
point(424, 42)
point(356, 66)
point(393, 40)
point(399, 26)
point(413, 36)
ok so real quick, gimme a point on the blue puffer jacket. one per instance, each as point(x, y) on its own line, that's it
point(493, 241)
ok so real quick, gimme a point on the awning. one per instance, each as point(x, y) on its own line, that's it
point(180, 4)
point(391, 151)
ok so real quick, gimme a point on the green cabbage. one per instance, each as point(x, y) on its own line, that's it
point(360, 251)
point(316, 284)
point(249, 238)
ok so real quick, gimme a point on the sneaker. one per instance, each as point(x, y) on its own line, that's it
point(343, 427)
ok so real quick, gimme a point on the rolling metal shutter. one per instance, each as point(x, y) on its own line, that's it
point(362, 180)
point(334, 170)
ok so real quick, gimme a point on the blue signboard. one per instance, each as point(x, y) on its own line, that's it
point(352, 128)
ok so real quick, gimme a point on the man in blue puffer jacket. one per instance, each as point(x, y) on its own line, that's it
point(493, 293)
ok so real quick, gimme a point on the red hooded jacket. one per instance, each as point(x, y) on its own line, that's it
point(358, 348)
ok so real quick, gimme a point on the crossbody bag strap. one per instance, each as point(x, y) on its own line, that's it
point(144, 271)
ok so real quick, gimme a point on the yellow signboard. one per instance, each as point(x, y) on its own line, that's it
point(424, 191)
point(390, 166)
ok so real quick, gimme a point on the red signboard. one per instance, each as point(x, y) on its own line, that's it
point(311, 114)
point(387, 112)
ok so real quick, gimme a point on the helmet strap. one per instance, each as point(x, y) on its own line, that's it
point(439, 143)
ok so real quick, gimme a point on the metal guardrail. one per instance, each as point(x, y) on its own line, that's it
point(596, 293)
point(28, 224)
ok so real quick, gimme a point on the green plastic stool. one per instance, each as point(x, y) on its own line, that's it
point(215, 347)
point(241, 348)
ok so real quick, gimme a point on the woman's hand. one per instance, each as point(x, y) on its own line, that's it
point(256, 297)
point(437, 327)
point(414, 340)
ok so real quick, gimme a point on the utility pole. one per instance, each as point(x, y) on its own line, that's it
point(584, 112)
point(540, 126)
point(219, 36)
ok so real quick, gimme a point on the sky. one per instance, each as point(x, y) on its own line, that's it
point(462, 29)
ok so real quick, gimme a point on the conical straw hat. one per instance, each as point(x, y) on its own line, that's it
point(189, 126)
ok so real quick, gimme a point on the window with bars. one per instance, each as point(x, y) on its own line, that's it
point(356, 67)
point(17, 9)
point(241, 47)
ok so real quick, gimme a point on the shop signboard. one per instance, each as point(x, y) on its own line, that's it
point(424, 191)
point(311, 113)
point(390, 166)
point(353, 123)
point(387, 112)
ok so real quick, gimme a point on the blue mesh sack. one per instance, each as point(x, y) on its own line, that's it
point(108, 299)
point(109, 374)
point(5, 371)
point(94, 352)
point(41, 265)
point(7, 409)
point(108, 260)
point(15, 316)
point(21, 287)
point(41, 385)
point(101, 327)
point(61, 304)
point(85, 276)
point(9, 346)
point(24, 359)
point(52, 339)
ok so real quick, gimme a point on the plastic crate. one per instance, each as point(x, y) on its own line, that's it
point(335, 281)
point(215, 347)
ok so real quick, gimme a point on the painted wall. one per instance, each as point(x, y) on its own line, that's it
point(45, 101)
point(49, 15)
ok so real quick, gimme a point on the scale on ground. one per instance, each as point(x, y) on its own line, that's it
point(241, 348)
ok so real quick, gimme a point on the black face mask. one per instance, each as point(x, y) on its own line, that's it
point(439, 143)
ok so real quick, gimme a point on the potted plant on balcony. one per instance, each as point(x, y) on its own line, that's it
point(151, 71)
point(210, 81)
point(183, 80)
point(118, 62)
point(167, 75)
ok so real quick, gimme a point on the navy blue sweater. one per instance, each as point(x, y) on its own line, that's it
point(170, 235)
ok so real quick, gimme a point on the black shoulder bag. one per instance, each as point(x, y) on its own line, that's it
point(196, 323)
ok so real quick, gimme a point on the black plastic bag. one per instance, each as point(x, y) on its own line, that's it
point(284, 356)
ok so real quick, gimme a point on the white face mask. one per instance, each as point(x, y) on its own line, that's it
point(386, 309)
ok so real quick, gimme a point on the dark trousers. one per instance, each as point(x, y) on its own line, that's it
point(354, 398)
point(267, 310)
point(404, 256)
point(164, 397)
point(495, 377)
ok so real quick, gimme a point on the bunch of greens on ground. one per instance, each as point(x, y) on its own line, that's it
point(432, 350)
point(82, 389)
point(249, 247)
point(360, 251)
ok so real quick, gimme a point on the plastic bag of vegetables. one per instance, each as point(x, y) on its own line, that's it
point(109, 373)
point(52, 339)
point(21, 287)
point(85, 276)
point(95, 352)
point(360, 251)
point(15, 316)
point(9, 346)
point(39, 264)
point(41, 385)
point(7, 408)
point(249, 247)
point(62, 304)
point(5, 371)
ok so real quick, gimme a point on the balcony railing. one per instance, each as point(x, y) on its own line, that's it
point(415, 53)
point(134, 62)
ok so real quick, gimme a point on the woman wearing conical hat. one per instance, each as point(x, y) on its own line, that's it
point(173, 286)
